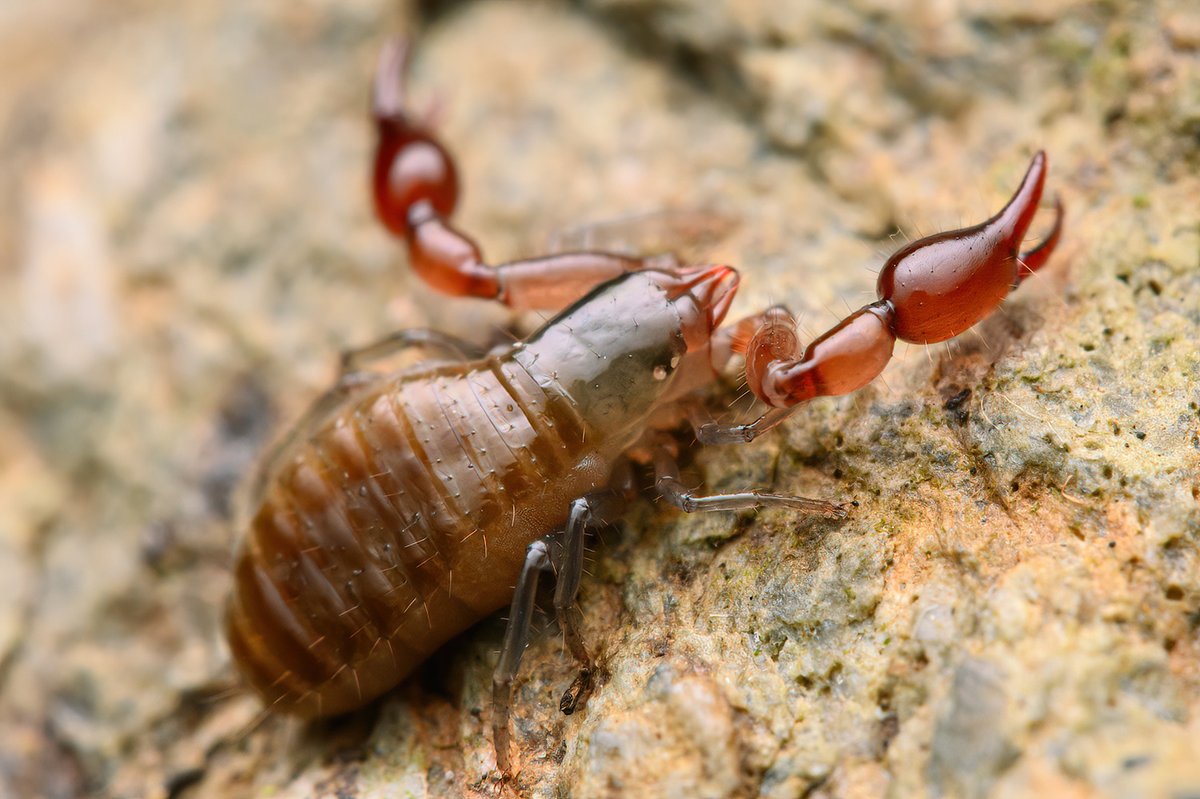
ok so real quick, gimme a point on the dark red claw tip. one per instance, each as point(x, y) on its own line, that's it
point(1035, 258)
point(1016, 216)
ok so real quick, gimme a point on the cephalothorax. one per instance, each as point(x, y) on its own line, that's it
point(406, 506)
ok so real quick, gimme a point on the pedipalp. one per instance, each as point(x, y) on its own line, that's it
point(930, 290)
point(415, 190)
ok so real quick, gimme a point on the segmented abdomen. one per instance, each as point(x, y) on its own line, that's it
point(402, 520)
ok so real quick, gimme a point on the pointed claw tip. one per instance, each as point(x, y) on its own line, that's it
point(395, 51)
point(1038, 165)
point(390, 71)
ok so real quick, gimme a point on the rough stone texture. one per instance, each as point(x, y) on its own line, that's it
point(1012, 608)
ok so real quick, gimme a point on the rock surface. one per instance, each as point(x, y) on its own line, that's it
point(1012, 609)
